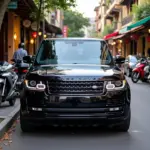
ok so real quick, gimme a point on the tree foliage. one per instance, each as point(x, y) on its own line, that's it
point(107, 30)
point(92, 32)
point(46, 6)
point(75, 22)
point(141, 11)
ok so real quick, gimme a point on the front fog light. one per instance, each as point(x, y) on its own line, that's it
point(32, 83)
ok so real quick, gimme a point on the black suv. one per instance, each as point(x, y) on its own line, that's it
point(75, 81)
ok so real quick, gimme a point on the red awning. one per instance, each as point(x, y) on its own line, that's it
point(111, 35)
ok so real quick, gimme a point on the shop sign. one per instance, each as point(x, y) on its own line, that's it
point(27, 23)
point(65, 31)
point(13, 4)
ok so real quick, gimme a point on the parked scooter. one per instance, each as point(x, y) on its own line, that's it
point(8, 80)
point(21, 70)
point(141, 71)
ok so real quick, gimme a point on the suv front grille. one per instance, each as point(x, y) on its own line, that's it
point(75, 87)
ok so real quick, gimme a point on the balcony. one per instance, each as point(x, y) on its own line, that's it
point(127, 20)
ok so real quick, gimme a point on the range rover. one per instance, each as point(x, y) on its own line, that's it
point(75, 81)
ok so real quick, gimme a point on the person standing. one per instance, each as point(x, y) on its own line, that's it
point(20, 53)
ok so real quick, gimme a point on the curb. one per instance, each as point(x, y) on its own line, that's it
point(9, 120)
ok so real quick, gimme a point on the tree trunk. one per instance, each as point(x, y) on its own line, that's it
point(38, 23)
point(3, 7)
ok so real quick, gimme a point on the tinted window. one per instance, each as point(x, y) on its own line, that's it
point(74, 52)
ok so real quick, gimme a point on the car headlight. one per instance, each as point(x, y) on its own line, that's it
point(115, 85)
point(32, 83)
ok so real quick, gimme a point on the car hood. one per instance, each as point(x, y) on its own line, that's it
point(101, 71)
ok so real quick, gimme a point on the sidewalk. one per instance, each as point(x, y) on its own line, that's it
point(8, 115)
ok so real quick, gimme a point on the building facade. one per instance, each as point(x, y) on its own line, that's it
point(18, 27)
point(124, 39)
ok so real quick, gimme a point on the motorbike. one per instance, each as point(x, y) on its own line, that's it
point(21, 70)
point(141, 71)
point(8, 80)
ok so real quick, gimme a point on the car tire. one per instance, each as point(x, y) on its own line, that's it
point(24, 125)
point(124, 127)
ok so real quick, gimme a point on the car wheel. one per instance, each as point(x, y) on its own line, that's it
point(128, 72)
point(124, 127)
point(24, 125)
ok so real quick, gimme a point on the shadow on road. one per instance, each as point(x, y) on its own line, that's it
point(75, 132)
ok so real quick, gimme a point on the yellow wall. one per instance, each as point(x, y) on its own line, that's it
point(13, 27)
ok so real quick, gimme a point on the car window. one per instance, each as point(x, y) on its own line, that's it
point(74, 52)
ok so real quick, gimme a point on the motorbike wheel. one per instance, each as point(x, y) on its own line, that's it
point(135, 77)
point(12, 102)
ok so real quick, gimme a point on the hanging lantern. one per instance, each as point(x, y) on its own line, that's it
point(34, 34)
point(148, 38)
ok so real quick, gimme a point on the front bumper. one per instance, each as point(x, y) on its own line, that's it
point(111, 108)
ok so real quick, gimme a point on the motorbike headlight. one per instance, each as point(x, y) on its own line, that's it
point(32, 83)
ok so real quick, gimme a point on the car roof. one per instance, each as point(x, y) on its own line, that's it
point(90, 39)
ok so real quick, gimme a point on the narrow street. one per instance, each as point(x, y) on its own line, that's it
point(61, 139)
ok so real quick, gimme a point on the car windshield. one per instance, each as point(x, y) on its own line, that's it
point(133, 59)
point(74, 52)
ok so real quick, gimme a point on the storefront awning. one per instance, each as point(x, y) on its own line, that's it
point(135, 25)
point(118, 37)
point(111, 35)
point(124, 30)
point(139, 23)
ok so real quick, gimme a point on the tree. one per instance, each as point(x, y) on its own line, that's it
point(107, 30)
point(3, 7)
point(75, 22)
point(141, 11)
point(46, 6)
point(92, 32)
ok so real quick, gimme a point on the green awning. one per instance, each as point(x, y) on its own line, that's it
point(123, 30)
point(139, 23)
point(135, 25)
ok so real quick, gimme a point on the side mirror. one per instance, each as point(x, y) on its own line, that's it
point(120, 60)
point(27, 59)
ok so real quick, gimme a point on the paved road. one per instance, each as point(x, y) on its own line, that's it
point(138, 137)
